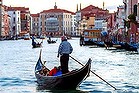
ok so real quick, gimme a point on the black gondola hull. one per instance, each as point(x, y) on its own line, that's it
point(70, 80)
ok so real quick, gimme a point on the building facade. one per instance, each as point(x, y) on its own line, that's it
point(21, 18)
point(15, 22)
point(91, 17)
point(129, 6)
point(6, 26)
point(35, 24)
point(1, 9)
point(56, 22)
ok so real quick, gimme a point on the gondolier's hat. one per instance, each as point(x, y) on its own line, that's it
point(63, 38)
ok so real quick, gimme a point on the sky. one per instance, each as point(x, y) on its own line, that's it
point(36, 6)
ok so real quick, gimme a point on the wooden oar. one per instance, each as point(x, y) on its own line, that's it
point(94, 73)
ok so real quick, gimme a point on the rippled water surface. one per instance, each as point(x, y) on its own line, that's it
point(117, 67)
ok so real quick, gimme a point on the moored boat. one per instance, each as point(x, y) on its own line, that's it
point(130, 47)
point(70, 80)
point(27, 36)
point(100, 44)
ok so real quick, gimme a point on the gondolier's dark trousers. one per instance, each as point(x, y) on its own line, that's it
point(64, 63)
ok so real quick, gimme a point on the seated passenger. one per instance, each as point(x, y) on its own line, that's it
point(59, 72)
point(55, 71)
point(45, 71)
point(41, 72)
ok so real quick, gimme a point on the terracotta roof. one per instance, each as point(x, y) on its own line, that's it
point(57, 11)
point(92, 10)
point(35, 15)
point(23, 9)
point(89, 15)
point(89, 8)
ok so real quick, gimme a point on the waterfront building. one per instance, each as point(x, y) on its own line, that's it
point(6, 24)
point(2, 11)
point(91, 17)
point(138, 12)
point(83, 24)
point(73, 25)
point(131, 9)
point(119, 26)
point(15, 22)
point(129, 6)
point(99, 24)
point(35, 25)
point(87, 22)
point(56, 22)
point(1, 8)
point(21, 19)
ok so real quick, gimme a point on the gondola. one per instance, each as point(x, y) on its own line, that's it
point(130, 47)
point(51, 41)
point(37, 45)
point(70, 80)
point(108, 44)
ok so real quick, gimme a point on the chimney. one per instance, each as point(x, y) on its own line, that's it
point(80, 6)
point(103, 5)
point(77, 8)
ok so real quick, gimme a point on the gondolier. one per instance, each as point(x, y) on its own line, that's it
point(34, 44)
point(33, 41)
point(64, 50)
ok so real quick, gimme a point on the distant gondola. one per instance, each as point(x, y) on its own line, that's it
point(34, 44)
point(70, 80)
point(51, 41)
point(37, 45)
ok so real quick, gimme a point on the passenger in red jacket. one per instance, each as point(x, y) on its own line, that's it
point(53, 71)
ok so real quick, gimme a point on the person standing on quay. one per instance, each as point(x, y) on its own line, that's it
point(64, 50)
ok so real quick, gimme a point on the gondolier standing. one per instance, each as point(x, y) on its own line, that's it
point(64, 50)
point(33, 41)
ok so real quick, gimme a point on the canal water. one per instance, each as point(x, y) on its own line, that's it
point(117, 67)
